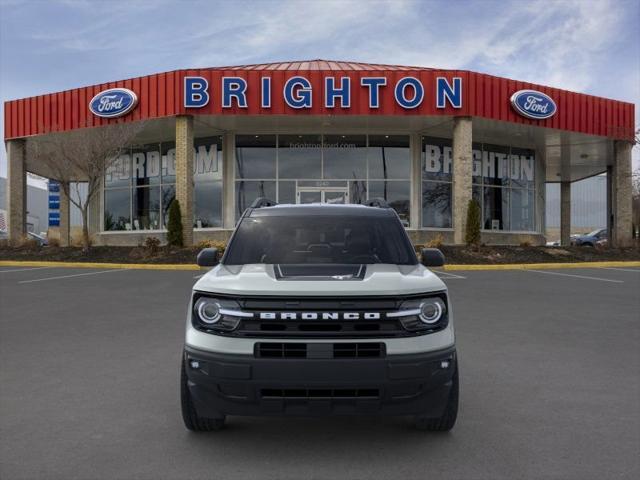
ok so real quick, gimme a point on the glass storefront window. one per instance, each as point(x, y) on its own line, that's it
point(396, 193)
point(496, 208)
point(436, 204)
point(437, 161)
point(522, 162)
point(522, 209)
point(300, 156)
point(146, 208)
point(497, 171)
point(152, 168)
point(208, 205)
point(495, 165)
point(168, 194)
point(168, 162)
point(389, 157)
point(118, 174)
point(146, 165)
point(437, 174)
point(286, 191)
point(117, 204)
point(345, 157)
point(255, 156)
point(248, 191)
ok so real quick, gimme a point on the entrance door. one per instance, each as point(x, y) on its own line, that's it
point(323, 195)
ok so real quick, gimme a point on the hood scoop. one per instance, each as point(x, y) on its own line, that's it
point(319, 272)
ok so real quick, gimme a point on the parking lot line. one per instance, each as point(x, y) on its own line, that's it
point(70, 276)
point(23, 269)
point(449, 275)
point(576, 276)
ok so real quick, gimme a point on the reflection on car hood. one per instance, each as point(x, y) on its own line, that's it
point(261, 279)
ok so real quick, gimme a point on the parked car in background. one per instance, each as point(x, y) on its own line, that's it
point(591, 238)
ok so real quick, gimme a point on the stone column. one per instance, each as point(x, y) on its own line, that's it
point(565, 213)
point(228, 181)
point(16, 191)
point(462, 175)
point(184, 174)
point(621, 184)
point(416, 181)
point(65, 218)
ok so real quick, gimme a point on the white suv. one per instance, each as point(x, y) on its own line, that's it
point(319, 310)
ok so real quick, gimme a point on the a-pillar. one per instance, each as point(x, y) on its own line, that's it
point(65, 219)
point(565, 213)
point(462, 175)
point(184, 174)
point(16, 191)
point(621, 193)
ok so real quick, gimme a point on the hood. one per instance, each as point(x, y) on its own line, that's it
point(262, 279)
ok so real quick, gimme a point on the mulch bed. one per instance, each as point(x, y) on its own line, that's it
point(515, 254)
point(453, 254)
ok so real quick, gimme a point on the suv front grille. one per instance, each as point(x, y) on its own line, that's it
point(320, 350)
point(302, 328)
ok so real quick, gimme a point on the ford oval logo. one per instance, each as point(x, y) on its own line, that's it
point(533, 104)
point(114, 102)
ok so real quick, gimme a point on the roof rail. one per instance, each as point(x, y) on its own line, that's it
point(376, 202)
point(262, 202)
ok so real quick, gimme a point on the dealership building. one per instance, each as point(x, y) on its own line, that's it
point(426, 140)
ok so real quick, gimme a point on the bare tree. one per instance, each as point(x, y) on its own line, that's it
point(82, 156)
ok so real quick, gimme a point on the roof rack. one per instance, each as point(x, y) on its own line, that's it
point(262, 202)
point(376, 202)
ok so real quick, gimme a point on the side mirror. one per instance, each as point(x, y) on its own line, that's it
point(208, 257)
point(432, 257)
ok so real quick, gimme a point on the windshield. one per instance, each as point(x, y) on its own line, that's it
point(320, 239)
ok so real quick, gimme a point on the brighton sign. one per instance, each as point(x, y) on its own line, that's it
point(533, 104)
point(113, 103)
point(408, 92)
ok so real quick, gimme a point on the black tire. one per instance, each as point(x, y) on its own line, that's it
point(191, 419)
point(450, 414)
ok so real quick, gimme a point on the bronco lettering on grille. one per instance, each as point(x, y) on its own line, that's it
point(319, 316)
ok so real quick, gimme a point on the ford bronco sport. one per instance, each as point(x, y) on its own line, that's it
point(319, 309)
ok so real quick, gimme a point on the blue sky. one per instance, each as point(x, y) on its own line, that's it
point(582, 45)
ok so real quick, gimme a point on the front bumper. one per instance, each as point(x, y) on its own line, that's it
point(227, 384)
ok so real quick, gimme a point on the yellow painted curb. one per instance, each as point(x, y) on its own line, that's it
point(131, 266)
point(189, 266)
point(542, 266)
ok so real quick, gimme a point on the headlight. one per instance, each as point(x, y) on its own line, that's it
point(423, 314)
point(208, 310)
point(431, 310)
point(210, 313)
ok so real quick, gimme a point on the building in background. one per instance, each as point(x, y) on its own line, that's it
point(426, 140)
point(37, 208)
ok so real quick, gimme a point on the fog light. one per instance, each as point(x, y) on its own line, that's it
point(194, 364)
point(444, 364)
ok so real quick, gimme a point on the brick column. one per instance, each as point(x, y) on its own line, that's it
point(16, 191)
point(462, 175)
point(621, 185)
point(565, 213)
point(184, 174)
point(65, 219)
point(416, 181)
point(228, 181)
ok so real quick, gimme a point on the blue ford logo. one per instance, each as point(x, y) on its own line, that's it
point(533, 104)
point(114, 102)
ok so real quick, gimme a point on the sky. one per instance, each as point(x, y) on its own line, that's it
point(590, 46)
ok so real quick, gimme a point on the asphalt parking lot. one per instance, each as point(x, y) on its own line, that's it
point(550, 386)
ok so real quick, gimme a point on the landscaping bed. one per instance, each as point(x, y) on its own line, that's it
point(453, 254)
point(515, 254)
